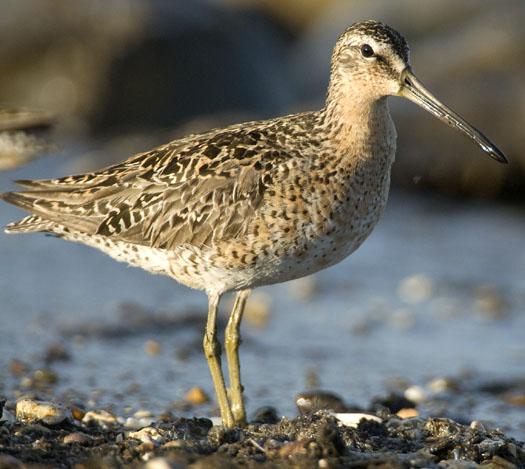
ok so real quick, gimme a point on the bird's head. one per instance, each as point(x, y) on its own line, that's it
point(372, 60)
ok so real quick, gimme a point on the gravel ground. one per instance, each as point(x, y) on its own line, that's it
point(313, 440)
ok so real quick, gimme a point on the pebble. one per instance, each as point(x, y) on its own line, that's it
point(196, 396)
point(490, 302)
point(304, 289)
point(407, 413)
point(415, 289)
point(7, 417)
point(153, 348)
point(515, 399)
point(135, 423)
point(266, 414)
point(148, 435)
point(258, 307)
point(56, 353)
point(77, 413)
point(47, 412)
point(158, 463)
point(17, 367)
point(102, 418)
point(416, 394)
point(77, 438)
point(10, 462)
point(352, 419)
point(312, 401)
point(477, 425)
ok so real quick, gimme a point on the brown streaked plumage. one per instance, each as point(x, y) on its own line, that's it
point(255, 203)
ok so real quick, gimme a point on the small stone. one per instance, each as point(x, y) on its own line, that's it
point(79, 438)
point(158, 463)
point(102, 418)
point(10, 462)
point(47, 412)
point(394, 402)
point(416, 394)
point(142, 413)
point(490, 302)
point(408, 413)
point(415, 289)
point(266, 414)
point(441, 385)
point(352, 419)
point(44, 378)
point(77, 413)
point(477, 425)
point(56, 353)
point(174, 444)
point(196, 396)
point(7, 417)
point(312, 401)
point(515, 399)
point(303, 289)
point(17, 367)
point(258, 309)
point(153, 348)
point(135, 423)
point(294, 448)
point(146, 435)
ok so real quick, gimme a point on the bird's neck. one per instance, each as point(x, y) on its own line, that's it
point(353, 120)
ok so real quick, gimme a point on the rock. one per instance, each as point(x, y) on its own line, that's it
point(416, 394)
point(158, 463)
point(47, 412)
point(17, 367)
point(44, 377)
point(352, 419)
point(196, 396)
point(407, 413)
point(490, 302)
point(79, 438)
point(312, 401)
point(393, 402)
point(515, 399)
point(153, 347)
point(10, 462)
point(146, 435)
point(304, 289)
point(101, 418)
point(77, 413)
point(477, 425)
point(258, 309)
point(415, 289)
point(136, 423)
point(56, 353)
point(265, 414)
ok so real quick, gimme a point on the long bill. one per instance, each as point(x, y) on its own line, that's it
point(414, 90)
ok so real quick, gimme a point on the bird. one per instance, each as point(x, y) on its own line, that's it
point(252, 204)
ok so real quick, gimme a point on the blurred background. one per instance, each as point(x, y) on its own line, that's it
point(438, 290)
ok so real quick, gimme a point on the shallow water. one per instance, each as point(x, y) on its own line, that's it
point(437, 290)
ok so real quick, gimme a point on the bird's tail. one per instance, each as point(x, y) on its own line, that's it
point(30, 224)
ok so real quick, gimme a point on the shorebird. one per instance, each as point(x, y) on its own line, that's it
point(252, 204)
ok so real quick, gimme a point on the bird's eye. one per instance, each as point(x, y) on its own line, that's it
point(367, 51)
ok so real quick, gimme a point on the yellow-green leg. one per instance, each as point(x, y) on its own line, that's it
point(212, 349)
point(232, 339)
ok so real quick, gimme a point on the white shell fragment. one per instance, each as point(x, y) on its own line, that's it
point(352, 419)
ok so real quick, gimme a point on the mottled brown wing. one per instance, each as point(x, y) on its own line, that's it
point(196, 190)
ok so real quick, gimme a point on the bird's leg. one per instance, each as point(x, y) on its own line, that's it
point(232, 339)
point(212, 349)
